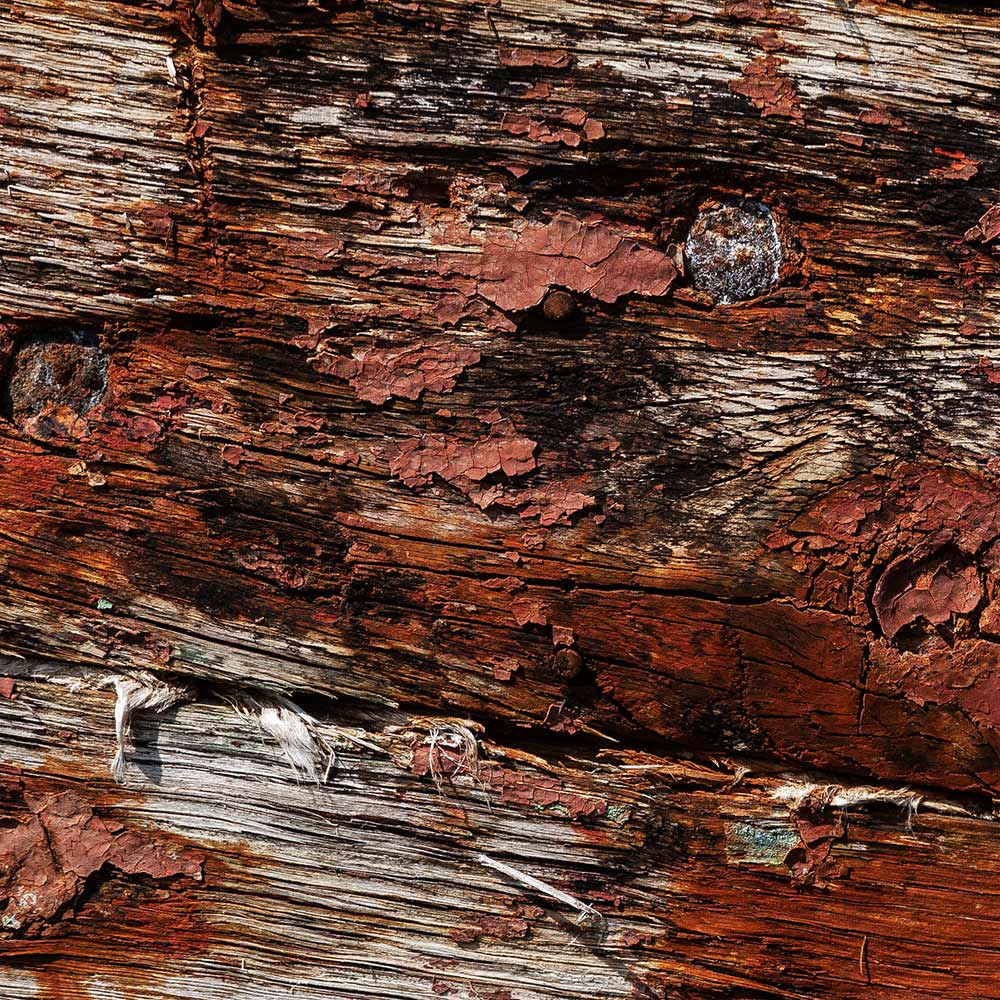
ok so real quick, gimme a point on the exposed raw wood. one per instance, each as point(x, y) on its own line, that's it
point(620, 381)
point(370, 885)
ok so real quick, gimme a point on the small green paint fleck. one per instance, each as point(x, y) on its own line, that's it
point(619, 815)
point(103, 604)
point(759, 844)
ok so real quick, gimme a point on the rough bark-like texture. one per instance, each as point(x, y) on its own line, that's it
point(591, 374)
point(371, 885)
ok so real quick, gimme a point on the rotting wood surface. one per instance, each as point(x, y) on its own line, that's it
point(371, 885)
point(593, 374)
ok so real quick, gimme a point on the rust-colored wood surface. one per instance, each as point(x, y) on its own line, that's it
point(584, 413)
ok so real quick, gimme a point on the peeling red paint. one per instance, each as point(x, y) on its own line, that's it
point(555, 502)
point(771, 41)
point(417, 460)
point(931, 584)
point(550, 58)
point(562, 636)
point(378, 374)
point(517, 269)
point(232, 454)
point(55, 843)
point(530, 790)
point(820, 827)
point(963, 675)
point(760, 11)
point(523, 789)
point(768, 89)
point(503, 668)
point(529, 611)
point(987, 229)
point(340, 456)
point(550, 131)
point(960, 168)
point(511, 584)
point(929, 619)
point(499, 928)
point(880, 114)
point(160, 221)
point(272, 565)
point(541, 91)
point(131, 433)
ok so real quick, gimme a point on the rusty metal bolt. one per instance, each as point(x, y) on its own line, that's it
point(567, 664)
point(559, 306)
point(54, 380)
point(733, 251)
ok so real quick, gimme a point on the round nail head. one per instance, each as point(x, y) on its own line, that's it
point(558, 306)
point(567, 664)
point(733, 251)
point(54, 380)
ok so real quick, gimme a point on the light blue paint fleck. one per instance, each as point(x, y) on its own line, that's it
point(619, 814)
point(760, 843)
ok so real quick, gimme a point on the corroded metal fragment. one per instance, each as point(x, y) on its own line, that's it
point(733, 251)
point(55, 379)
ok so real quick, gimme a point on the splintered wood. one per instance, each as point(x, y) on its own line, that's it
point(499, 501)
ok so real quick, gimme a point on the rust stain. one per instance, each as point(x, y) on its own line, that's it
point(57, 379)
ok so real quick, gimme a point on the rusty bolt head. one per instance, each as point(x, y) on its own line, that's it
point(559, 306)
point(733, 251)
point(567, 664)
point(54, 380)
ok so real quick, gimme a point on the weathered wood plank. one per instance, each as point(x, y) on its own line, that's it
point(288, 409)
point(339, 255)
point(369, 885)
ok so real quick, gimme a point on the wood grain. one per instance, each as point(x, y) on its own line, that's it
point(289, 408)
point(369, 885)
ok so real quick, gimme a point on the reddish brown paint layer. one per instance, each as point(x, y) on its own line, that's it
point(54, 842)
point(770, 90)
point(69, 872)
point(379, 374)
point(590, 256)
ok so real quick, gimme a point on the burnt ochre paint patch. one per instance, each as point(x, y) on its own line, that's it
point(55, 379)
point(733, 251)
